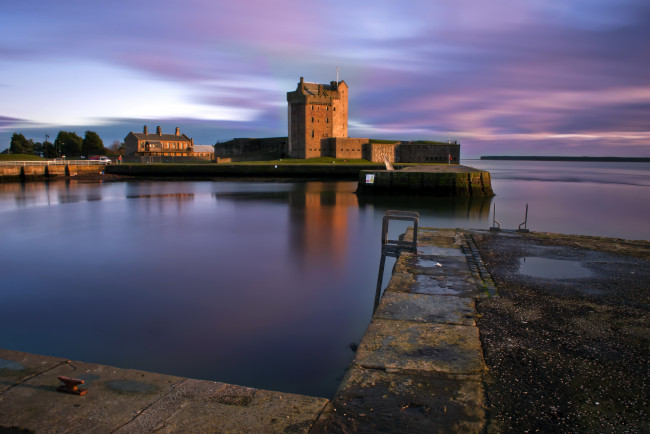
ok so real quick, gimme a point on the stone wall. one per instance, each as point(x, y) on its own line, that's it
point(376, 151)
point(316, 111)
point(343, 147)
point(428, 153)
point(249, 149)
point(425, 183)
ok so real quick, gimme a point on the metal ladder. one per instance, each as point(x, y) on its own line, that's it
point(393, 248)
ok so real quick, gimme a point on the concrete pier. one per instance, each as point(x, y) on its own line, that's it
point(438, 180)
point(30, 171)
point(124, 400)
point(419, 367)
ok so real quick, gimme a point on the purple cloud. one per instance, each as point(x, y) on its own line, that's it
point(569, 75)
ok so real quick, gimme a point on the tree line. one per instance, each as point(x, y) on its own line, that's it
point(67, 143)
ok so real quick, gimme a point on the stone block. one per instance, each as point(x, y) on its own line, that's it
point(16, 366)
point(426, 308)
point(422, 348)
point(115, 396)
point(377, 401)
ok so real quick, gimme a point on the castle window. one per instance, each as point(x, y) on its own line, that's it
point(312, 134)
point(327, 120)
point(312, 107)
point(312, 119)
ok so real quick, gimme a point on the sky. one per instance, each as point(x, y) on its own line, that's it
point(504, 77)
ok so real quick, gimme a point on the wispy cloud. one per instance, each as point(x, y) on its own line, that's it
point(568, 73)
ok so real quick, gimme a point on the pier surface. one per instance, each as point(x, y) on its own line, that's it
point(465, 339)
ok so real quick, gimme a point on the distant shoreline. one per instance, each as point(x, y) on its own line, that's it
point(557, 158)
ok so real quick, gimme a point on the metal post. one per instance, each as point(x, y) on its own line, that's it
point(496, 226)
point(524, 224)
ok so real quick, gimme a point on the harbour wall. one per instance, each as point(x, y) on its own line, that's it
point(334, 171)
point(27, 172)
point(430, 183)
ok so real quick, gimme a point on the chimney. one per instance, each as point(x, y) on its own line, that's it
point(145, 130)
point(158, 131)
point(178, 131)
point(302, 79)
point(320, 89)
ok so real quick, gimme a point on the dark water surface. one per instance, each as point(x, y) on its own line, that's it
point(262, 284)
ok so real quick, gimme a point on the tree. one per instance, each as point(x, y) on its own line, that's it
point(116, 148)
point(38, 149)
point(92, 144)
point(48, 150)
point(68, 143)
point(20, 145)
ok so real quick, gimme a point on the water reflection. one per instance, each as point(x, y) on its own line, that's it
point(548, 268)
point(455, 208)
point(256, 283)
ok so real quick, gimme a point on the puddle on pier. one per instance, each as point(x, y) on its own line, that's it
point(428, 263)
point(552, 268)
point(439, 251)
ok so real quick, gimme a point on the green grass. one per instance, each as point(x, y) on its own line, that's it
point(20, 157)
point(414, 142)
point(384, 142)
point(428, 142)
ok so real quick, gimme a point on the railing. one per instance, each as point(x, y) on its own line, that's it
point(53, 163)
point(393, 248)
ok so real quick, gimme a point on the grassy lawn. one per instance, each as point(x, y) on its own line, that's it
point(318, 160)
point(20, 157)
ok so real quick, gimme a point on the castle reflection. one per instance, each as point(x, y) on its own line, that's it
point(324, 215)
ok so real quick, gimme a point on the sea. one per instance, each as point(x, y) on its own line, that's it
point(257, 283)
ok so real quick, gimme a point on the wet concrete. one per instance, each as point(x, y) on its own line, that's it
point(419, 367)
point(123, 400)
point(567, 348)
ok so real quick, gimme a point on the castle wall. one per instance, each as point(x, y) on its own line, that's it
point(319, 126)
point(340, 112)
point(316, 112)
point(344, 147)
point(428, 153)
point(375, 152)
point(247, 149)
point(297, 130)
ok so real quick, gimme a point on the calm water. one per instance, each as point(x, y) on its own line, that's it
point(255, 283)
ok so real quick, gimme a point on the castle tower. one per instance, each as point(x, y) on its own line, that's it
point(316, 112)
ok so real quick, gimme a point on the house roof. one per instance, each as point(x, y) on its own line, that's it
point(203, 148)
point(162, 137)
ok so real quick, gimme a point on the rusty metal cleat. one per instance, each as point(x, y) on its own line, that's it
point(70, 386)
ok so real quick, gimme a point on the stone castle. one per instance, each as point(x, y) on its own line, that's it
point(318, 127)
point(316, 113)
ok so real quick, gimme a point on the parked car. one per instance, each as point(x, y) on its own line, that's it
point(100, 158)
